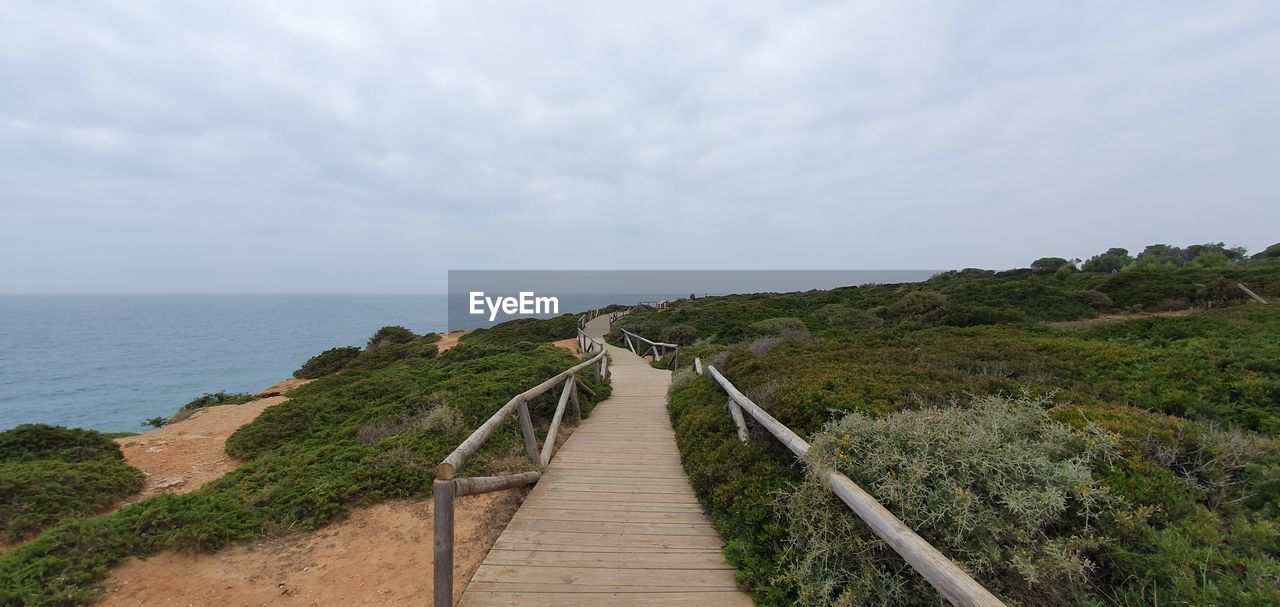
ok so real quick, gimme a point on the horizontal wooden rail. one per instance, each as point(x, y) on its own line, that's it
point(1250, 293)
point(956, 586)
point(446, 488)
point(459, 456)
point(657, 348)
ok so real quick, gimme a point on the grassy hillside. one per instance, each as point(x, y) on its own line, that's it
point(1128, 463)
point(372, 432)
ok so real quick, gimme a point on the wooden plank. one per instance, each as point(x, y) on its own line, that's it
point(559, 538)
point(604, 507)
point(592, 560)
point(683, 579)
point(690, 529)
point(491, 597)
point(501, 545)
point(538, 594)
point(637, 498)
point(543, 513)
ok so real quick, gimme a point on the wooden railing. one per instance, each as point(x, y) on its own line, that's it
point(656, 348)
point(1250, 293)
point(588, 344)
point(615, 315)
point(446, 487)
point(956, 586)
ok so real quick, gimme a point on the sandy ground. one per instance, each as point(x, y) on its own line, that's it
point(381, 555)
point(449, 340)
point(1110, 318)
point(183, 456)
point(570, 344)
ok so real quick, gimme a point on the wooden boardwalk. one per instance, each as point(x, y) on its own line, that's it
point(613, 520)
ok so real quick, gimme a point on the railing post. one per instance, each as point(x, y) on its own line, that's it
point(442, 542)
point(736, 413)
point(573, 398)
point(526, 429)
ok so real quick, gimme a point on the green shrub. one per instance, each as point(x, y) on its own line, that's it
point(964, 315)
point(382, 356)
point(50, 473)
point(1051, 264)
point(393, 334)
point(780, 326)
point(1001, 488)
point(526, 329)
point(917, 305)
point(682, 335)
point(327, 363)
point(844, 317)
point(1095, 299)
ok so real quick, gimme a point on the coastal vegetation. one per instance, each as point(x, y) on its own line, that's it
point(1130, 460)
point(52, 473)
point(209, 399)
point(373, 432)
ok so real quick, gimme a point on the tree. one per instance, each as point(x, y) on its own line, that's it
point(1210, 259)
point(1216, 249)
point(1110, 262)
point(1049, 264)
point(1159, 257)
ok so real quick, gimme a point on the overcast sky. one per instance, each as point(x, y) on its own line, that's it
point(367, 147)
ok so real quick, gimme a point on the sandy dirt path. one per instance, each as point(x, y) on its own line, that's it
point(183, 456)
point(381, 555)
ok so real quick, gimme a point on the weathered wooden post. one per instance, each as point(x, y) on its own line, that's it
point(442, 543)
point(526, 429)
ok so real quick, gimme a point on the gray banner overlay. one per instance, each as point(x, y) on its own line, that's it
point(483, 298)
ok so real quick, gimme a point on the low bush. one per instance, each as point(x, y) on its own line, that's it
point(385, 355)
point(919, 306)
point(840, 316)
point(327, 363)
point(50, 473)
point(998, 486)
point(681, 335)
point(779, 326)
point(391, 335)
point(221, 397)
point(1095, 299)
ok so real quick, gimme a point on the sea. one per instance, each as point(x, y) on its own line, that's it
point(110, 362)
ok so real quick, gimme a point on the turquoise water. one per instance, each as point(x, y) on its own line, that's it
point(110, 362)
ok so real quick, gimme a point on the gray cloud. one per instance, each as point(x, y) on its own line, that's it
point(368, 147)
